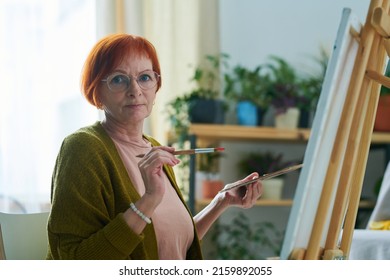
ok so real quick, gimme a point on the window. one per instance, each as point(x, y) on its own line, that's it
point(43, 45)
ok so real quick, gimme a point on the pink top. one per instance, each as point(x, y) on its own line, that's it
point(171, 220)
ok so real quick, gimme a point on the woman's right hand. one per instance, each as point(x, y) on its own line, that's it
point(151, 167)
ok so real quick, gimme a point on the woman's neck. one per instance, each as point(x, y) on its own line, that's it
point(129, 131)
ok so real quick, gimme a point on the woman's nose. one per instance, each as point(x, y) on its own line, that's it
point(134, 88)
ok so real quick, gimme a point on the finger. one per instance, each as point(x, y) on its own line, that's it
point(252, 194)
point(257, 190)
point(248, 198)
point(242, 182)
point(158, 159)
point(159, 148)
point(251, 176)
point(163, 152)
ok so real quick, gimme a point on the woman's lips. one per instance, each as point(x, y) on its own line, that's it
point(134, 105)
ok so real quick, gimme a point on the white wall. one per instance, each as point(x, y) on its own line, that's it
point(251, 30)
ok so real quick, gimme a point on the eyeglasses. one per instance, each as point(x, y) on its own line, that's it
point(118, 82)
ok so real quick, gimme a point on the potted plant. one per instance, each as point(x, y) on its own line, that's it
point(284, 91)
point(204, 97)
point(248, 90)
point(263, 163)
point(382, 118)
point(243, 240)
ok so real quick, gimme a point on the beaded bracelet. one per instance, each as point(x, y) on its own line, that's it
point(139, 213)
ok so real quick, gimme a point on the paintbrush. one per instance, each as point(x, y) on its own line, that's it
point(194, 151)
point(262, 178)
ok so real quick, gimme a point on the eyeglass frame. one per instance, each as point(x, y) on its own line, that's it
point(130, 77)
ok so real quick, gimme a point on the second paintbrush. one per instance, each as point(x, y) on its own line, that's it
point(194, 151)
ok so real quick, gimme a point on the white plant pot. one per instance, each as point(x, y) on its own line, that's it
point(273, 189)
point(289, 119)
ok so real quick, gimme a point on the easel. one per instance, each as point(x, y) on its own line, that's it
point(345, 173)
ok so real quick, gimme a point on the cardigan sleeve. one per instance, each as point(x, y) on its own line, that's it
point(86, 221)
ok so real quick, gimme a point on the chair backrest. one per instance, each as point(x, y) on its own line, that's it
point(11, 205)
point(23, 236)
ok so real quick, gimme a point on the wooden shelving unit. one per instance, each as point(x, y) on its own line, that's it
point(213, 132)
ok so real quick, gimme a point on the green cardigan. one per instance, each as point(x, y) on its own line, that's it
point(90, 191)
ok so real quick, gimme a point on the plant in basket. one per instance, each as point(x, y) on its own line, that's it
point(285, 93)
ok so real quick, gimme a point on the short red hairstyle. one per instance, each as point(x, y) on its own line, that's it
point(107, 54)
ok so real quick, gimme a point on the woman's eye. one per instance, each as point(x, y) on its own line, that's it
point(144, 78)
point(118, 79)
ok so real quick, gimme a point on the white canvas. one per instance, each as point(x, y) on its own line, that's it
point(322, 137)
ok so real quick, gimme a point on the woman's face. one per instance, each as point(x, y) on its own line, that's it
point(131, 106)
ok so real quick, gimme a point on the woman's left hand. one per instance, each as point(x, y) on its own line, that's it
point(245, 196)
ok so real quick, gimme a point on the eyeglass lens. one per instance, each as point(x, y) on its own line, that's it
point(121, 82)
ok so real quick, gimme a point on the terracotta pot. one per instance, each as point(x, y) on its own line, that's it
point(382, 120)
point(211, 188)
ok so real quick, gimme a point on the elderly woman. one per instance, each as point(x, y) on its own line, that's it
point(107, 203)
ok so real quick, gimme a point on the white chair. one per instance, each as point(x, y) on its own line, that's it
point(11, 205)
point(23, 236)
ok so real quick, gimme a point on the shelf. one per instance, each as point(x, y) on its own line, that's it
point(237, 132)
point(380, 138)
point(367, 204)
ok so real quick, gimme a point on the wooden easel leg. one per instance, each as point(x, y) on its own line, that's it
point(377, 62)
point(297, 254)
point(354, 182)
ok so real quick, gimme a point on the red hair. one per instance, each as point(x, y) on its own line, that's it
point(107, 54)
